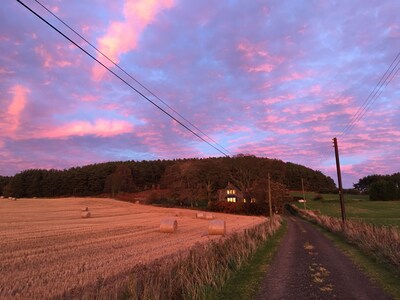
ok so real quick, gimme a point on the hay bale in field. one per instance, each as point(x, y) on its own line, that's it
point(137, 202)
point(85, 214)
point(2, 197)
point(168, 226)
point(15, 199)
point(85, 209)
point(200, 215)
point(209, 217)
point(10, 198)
point(217, 227)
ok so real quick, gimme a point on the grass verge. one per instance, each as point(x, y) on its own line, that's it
point(245, 283)
point(382, 274)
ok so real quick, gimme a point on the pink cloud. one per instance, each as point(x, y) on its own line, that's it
point(281, 98)
point(341, 100)
point(257, 58)
point(100, 127)
point(16, 107)
point(293, 76)
point(284, 131)
point(122, 37)
point(261, 68)
point(89, 98)
point(48, 60)
point(251, 50)
point(315, 89)
point(321, 129)
point(5, 71)
point(274, 119)
point(394, 31)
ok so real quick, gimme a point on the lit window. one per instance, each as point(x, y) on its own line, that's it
point(230, 192)
point(253, 200)
point(231, 199)
point(244, 200)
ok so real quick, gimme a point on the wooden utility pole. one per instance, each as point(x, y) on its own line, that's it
point(304, 195)
point(335, 144)
point(269, 197)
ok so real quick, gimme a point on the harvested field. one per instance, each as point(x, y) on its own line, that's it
point(47, 249)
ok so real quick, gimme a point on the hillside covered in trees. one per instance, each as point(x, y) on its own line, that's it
point(199, 178)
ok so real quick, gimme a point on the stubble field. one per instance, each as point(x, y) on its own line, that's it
point(47, 249)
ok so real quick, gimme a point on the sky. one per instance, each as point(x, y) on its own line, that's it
point(276, 79)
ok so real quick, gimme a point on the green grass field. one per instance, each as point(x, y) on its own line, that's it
point(358, 207)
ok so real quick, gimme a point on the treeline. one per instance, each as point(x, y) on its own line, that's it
point(380, 187)
point(184, 177)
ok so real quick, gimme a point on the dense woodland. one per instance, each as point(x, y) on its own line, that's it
point(380, 187)
point(199, 178)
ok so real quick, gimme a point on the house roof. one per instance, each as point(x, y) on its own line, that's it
point(230, 186)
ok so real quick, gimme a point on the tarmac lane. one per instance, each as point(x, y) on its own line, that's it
point(309, 266)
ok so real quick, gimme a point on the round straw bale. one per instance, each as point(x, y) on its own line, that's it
point(217, 227)
point(2, 197)
point(85, 209)
point(137, 202)
point(209, 216)
point(10, 198)
point(168, 226)
point(85, 214)
point(200, 215)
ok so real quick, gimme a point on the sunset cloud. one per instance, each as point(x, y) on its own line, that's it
point(123, 36)
point(100, 127)
point(48, 60)
point(256, 77)
point(17, 104)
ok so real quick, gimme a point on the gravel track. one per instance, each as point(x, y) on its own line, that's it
point(309, 266)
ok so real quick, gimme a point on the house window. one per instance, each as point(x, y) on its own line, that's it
point(230, 192)
point(253, 200)
point(244, 200)
point(231, 199)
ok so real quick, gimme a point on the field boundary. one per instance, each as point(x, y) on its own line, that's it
point(204, 267)
point(245, 283)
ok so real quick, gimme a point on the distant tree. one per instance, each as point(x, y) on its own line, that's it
point(190, 179)
point(363, 184)
point(244, 170)
point(4, 180)
point(279, 194)
point(383, 190)
point(211, 174)
point(120, 180)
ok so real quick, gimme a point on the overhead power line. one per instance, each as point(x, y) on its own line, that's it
point(386, 78)
point(129, 75)
point(116, 75)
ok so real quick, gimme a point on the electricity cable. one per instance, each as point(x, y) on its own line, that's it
point(372, 96)
point(367, 108)
point(129, 75)
point(120, 78)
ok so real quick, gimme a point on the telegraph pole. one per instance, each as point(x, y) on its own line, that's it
point(304, 195)
point(269, 198)
point(335, 144)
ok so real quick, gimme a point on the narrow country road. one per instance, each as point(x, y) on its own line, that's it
point(309, 266)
